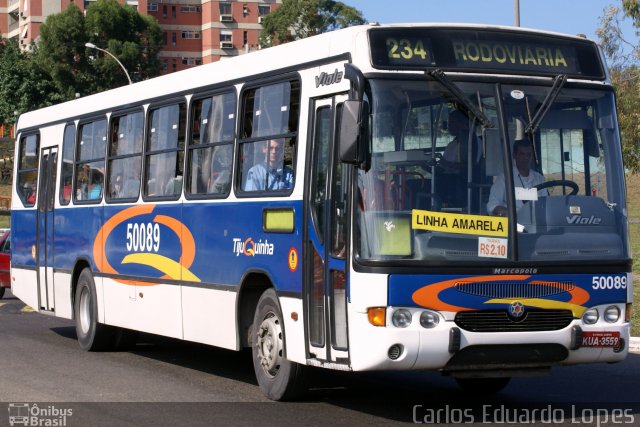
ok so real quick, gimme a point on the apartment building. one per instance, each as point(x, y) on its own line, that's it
point(195, 31)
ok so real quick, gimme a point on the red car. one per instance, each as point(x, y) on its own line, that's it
point(5, 258)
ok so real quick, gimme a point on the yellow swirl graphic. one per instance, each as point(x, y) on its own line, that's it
point(172, 269)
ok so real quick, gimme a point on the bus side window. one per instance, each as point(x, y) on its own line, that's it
point(269, 133)
point(68, 146)
point(90, 161)
point(164, 154)
point(125, 150)
point(210, 151)
point(28, 169)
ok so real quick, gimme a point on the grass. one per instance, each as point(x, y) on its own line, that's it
point(633, 194)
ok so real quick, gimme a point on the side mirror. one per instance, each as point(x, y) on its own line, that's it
point(351, 146)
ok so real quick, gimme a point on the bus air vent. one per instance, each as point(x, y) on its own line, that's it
point(552, 252)
point(593, 251)
point(461, 253)
point(514, 289)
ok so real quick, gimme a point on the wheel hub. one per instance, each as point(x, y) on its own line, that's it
point(85, 311)
point(269, 344)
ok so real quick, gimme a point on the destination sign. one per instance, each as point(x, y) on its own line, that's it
point(487, 51)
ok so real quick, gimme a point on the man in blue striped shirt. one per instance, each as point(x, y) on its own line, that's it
point(272, 174)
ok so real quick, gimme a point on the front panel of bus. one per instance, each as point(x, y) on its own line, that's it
point(494, 206)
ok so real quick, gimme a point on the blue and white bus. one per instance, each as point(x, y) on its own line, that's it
point(357, 200)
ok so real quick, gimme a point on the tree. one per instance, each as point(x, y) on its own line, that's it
point(134, 39)
point(298, 19)
point(61, 52)
point(24, 85)
point(623, 56)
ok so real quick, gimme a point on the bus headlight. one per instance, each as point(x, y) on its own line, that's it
point(401, 318)
point(429, 319)
point(590, 316)
point(612, 314)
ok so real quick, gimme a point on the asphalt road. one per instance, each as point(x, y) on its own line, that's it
point(168, 382)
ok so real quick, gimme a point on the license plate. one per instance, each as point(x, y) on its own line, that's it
point(600, 339)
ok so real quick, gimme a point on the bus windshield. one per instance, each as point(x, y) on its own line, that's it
point(439, 186)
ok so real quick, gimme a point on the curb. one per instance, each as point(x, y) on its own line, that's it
point(634, 345)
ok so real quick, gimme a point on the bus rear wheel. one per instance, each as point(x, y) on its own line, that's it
point(92, 336)
point(278, 378)
point(2, 292)
point(483, 385)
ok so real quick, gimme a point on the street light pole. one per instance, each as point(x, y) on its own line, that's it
point(93, 46)
point(516, 8)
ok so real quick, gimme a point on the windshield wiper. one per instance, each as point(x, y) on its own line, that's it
point(558, 83)
point(442, 78)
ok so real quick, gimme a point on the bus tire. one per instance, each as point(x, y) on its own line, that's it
point(92, 336)
point(2, 292)
point(483, 385)
point(278, 378)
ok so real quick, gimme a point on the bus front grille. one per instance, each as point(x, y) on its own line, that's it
point(500, 321)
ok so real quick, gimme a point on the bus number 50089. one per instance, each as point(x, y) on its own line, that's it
point(143, 237)
point(609, 282)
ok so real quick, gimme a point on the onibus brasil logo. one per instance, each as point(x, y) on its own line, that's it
point(27, 414)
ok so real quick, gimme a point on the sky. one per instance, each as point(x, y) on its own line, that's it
point(564, 16)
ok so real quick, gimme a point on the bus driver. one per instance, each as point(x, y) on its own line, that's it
point(523, 176)
point(270, 174)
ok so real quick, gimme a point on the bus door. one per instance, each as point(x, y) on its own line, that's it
point(45, 222)
point(325, 266)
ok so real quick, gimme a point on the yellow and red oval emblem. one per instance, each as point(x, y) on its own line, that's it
point(171, 269)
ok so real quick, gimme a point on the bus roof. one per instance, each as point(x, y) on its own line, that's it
point(338, 44)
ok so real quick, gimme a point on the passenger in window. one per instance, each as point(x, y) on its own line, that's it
point(220, 179)
point(116, 187)
point(30, 192)
point(270, 173)
point(66, 190)
point(523, 177)
point(455, 154)
point(95, 187)
point(82, 184)
point(454, 164)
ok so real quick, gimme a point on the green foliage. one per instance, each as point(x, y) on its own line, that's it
point(61, 51)
point(632, 10)
point(623, 57)
point(24, 85)
point(60, 66)
point(335, 15)
point(625, 81)
point(298, 19)
point(134, 39)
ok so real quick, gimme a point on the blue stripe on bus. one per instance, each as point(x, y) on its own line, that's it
point(458, 293)
point(199, 242)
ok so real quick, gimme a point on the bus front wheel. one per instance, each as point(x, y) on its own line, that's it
point(92, 336)
point(278, 378)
